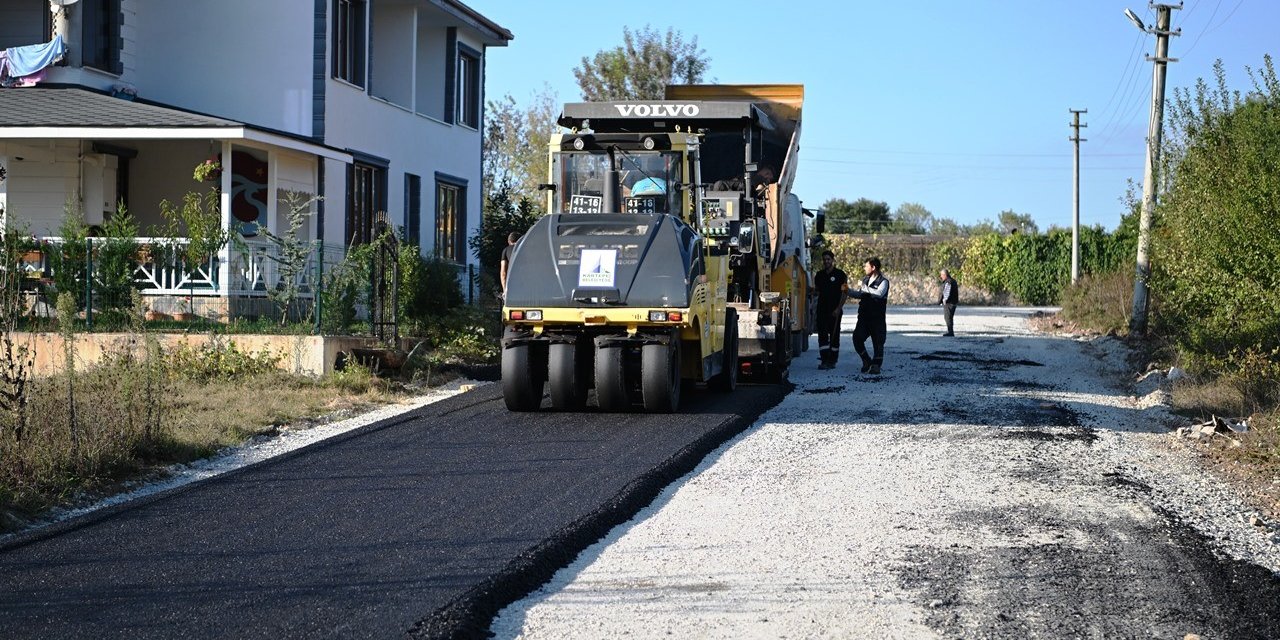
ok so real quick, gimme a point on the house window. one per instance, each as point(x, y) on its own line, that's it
point(451, 219)
point(412, 209)
point(468, 87)
point(350, 40)
point(100, 35)
point(366, 197)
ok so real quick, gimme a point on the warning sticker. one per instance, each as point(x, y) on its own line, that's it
point(597, 267)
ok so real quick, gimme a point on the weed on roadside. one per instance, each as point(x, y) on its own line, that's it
point(1100, 303)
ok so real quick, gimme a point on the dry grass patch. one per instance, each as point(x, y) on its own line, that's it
point(1251, 459)
point(1099, 303)
point(208, 416)
point(119, 433)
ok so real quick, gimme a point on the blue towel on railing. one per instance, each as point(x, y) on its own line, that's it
point(24, 61)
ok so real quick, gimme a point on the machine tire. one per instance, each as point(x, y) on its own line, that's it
point(799, 343)
point(660, 376)
point(804, 346)
point(522, 379)
point(611, 379)
point(567, 380)
point(727, 380)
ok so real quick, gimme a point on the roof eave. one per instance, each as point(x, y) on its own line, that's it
point(493, 34)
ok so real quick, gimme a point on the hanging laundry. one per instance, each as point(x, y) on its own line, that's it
point(24, 61)
point(30, 80)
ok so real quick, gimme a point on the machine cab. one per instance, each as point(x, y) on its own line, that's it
point(611, 173)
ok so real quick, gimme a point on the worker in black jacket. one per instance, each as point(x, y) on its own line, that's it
point(873, 302)
point(948, 297)
point(833, 291)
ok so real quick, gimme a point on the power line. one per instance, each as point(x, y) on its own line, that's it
point(1127, 108)
point(1215, 27)
point(960, 154)
point(945, 166)
point(1133, 62)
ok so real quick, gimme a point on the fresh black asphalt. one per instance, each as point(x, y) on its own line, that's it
point(422, 525)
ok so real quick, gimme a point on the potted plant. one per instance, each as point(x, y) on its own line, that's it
point(208, 171)
point(186, 312)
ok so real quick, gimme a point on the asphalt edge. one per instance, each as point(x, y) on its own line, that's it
point(470, 615)
point(40, 533)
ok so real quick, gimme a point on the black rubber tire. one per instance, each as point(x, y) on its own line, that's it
point(660, 377)
point(727, 380)
point(568, 384)
point(804, 346)
point(798, 340)
point(521, 379)
point(611, 380)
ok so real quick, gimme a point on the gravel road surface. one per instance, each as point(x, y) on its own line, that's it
point(998, 484)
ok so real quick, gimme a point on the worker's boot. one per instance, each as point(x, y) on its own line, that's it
point(866, 362)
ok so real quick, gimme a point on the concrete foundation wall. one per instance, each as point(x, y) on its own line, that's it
point(313, 355)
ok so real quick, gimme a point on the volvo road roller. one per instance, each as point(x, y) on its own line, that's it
point(647, 268)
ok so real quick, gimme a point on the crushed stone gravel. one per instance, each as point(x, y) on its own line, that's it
point(1002, 483)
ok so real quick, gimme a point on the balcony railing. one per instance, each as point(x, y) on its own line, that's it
point(160, 270)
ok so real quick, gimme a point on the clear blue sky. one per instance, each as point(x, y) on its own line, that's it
point(959, 106)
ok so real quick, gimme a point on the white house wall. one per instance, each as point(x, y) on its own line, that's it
point(293, 173)
point(429, 69)
point(39, 183)
point(413, 143)
point(248, 60)
point(163, 171)
point(391, 57)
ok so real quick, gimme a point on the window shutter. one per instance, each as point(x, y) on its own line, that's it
point(451, 75)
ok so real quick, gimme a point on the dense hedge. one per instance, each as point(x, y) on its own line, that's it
point(1030, 268)
point(1216, 250)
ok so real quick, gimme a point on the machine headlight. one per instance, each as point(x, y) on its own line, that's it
point(534, 315)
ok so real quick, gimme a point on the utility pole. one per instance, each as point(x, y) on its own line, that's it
point(1138, 323)
point(1075, 200)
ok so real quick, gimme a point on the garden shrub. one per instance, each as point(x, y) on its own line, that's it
point(114, 266)
point(429, 288)
point(345, 288)
point(220, 359)
point(67, 260)
point(503, 214)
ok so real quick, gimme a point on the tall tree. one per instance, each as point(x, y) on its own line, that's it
point(982, 228)
point(515, 144)
point(945, 227)
point(912, 217)
point(860, 216)
point(1014, 222)
point(642, 67)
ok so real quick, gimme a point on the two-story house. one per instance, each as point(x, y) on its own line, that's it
point(372, 105)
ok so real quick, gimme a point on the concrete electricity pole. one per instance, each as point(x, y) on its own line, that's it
point(1075, 200)
point(1138, 323)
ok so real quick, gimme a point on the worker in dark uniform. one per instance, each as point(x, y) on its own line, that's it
point(873, 301)
point(833, 291)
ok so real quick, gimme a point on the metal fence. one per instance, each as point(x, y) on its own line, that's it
point(236, 282)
